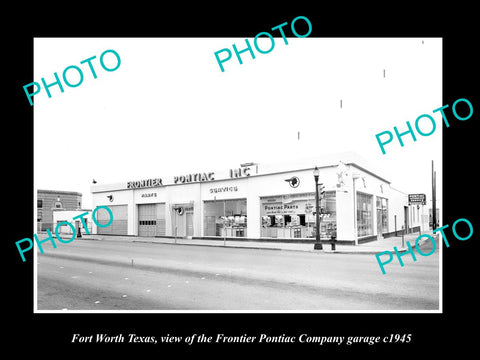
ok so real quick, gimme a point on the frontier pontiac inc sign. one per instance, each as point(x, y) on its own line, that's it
point(188, 178)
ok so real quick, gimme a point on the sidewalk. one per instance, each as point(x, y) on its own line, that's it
point(372, 247)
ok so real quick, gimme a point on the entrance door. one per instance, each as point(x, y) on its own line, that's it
point(182, 219)
point(189, 221)
point(379, 224)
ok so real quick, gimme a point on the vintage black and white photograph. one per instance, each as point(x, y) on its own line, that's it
point(268, 174)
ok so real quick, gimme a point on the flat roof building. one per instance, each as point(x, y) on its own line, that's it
point(259, 201)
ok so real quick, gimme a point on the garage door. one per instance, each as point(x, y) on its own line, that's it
point(151, 220)
point(119, 225)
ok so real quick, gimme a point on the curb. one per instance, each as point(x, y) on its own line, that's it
point(264, 248)
point(211, 245)
point(323, 251)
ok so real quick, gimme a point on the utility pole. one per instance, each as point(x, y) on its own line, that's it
point(318, 244)
point(434, 199)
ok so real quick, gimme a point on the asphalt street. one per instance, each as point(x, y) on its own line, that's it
point(112, 275)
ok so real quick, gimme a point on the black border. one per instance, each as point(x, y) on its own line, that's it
point(51, 333)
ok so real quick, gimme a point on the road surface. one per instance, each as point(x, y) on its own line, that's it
point(113, 275)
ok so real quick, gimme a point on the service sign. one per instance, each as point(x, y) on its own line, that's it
point(414, 199)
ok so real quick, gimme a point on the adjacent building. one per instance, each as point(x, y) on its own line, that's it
point(62, 217)
point(49, 201)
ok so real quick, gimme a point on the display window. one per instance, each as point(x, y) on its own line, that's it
point(364, 214)
point(225, 218)
point(293, 216)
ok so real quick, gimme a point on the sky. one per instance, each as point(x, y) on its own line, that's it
point(168, 109)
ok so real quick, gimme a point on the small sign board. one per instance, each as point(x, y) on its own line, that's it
point(308, 208)
point(417, 199)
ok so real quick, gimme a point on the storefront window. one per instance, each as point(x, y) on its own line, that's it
point(225, 218)
point(293, 216)
point(364, 214)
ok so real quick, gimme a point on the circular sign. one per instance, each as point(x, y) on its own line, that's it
point(294, 181)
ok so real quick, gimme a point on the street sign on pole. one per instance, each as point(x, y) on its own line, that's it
point(420, 199)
